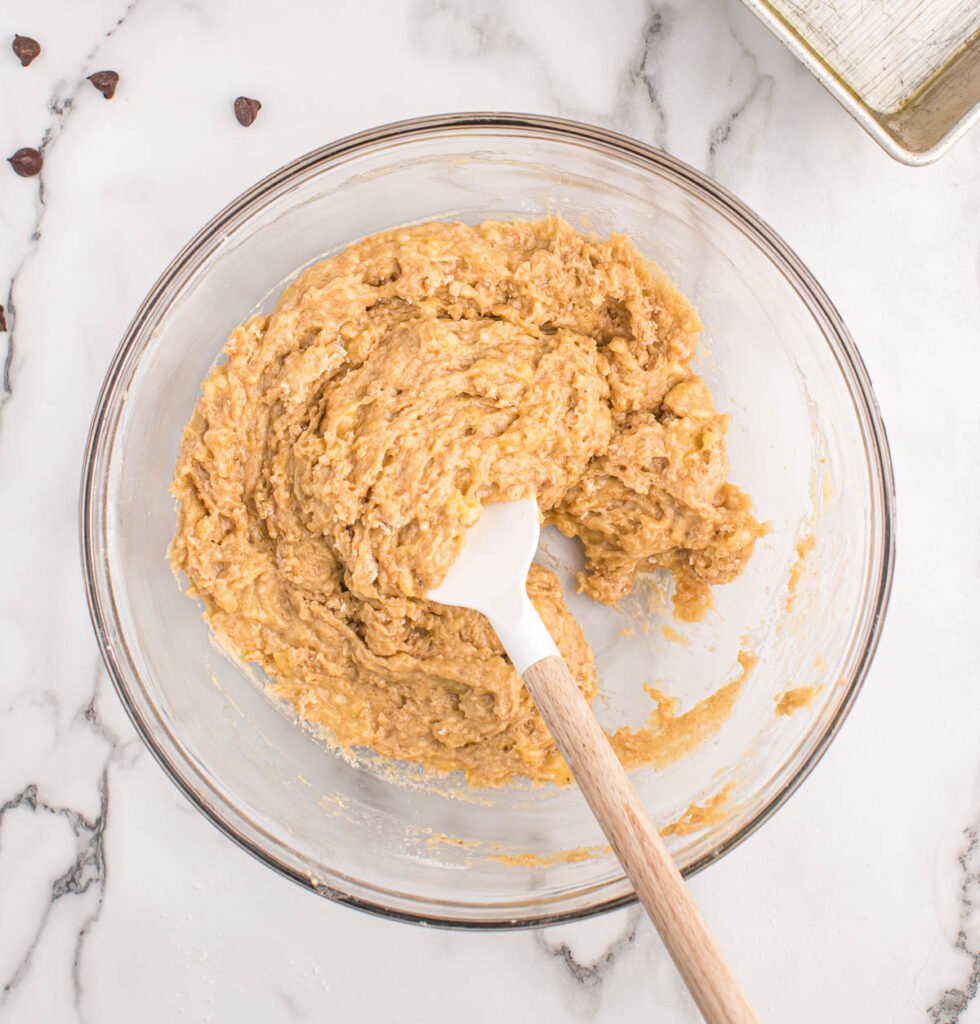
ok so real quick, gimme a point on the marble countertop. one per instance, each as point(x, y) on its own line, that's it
point(859, 901)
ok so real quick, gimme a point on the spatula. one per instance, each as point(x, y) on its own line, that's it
point(490, 576)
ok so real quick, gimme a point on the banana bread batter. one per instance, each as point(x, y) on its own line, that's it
point(338, 455)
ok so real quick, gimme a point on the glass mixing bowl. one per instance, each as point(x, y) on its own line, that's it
point(806, 441)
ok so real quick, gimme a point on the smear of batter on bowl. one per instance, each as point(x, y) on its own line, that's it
point(337, 456)
point(538, 860)
point(790, 701)
point(804, 547)
point(670, 634)
point(700, 816)
point(696, 818)
point(668, 735)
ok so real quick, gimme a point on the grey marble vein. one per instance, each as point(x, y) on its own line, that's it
point(47, 699)
point(7, 374)
point(89, 713)
point(590, 976)
point(89, 871)
point(756, 91)
point(639, 107)
point(292, 1007)
point(86, 871)
point(722, 133)
point(60, 107)
point(477, 30)
point(6, 386)
point(954, 1002)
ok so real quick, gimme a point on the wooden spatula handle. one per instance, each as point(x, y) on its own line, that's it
point(637, 844)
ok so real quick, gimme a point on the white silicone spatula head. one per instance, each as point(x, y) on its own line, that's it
point(490, 576)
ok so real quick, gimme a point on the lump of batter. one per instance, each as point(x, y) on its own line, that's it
point(337, 457)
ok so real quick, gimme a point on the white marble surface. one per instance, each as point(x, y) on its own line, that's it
point(860, 901)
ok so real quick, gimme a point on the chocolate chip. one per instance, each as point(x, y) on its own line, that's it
point(27, 162)
point(25, 48)
point(105, 82)
point(247, 110)
point(3, 319)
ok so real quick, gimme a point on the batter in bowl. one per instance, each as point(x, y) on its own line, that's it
point(339, 453)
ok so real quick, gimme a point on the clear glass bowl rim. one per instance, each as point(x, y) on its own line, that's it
point(112, 395)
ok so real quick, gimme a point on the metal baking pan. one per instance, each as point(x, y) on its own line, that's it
point(907, 70)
